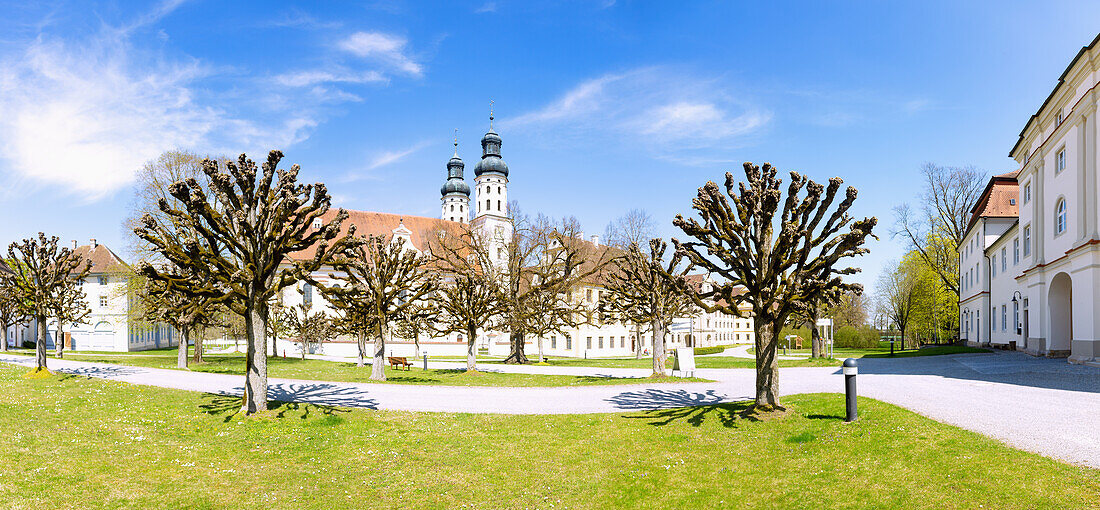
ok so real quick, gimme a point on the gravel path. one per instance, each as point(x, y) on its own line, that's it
point(1040, 405)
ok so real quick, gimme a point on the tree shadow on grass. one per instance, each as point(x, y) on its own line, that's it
point(328, 398)
point(664, 407)
point(99, 372)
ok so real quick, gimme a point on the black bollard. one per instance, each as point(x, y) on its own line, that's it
point(425, 360)
point(850, 371)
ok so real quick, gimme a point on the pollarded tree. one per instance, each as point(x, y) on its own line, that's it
point(626, 312)
point(653, 290)
point(11, 314)
point(249, 224)
point(469, 296)
point(415, 320)
point(173, 305)
point(379, 277)
point(70, 308)
point(777, 249)
point(42, 276)
point(311, 328)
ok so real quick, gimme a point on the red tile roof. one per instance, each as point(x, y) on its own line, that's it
point(376, 223)
point(103, 259)
point(999, 200)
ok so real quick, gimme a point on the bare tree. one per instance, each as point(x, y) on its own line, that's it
point(936, 231)
point(170, 303)
point(545, 261)
point(852, 309)
point(42, 274)
point(899, 292)
point(652, 290)
point(634, 227)
point(379, 277)
point(776, 249)
point(249, 229)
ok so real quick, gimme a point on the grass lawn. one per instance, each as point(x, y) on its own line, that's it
point(700, 362)
point(320, 370)
point(88, 443)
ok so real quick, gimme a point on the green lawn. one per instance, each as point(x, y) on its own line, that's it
point(700, 362)
point(87, 443)
point(320, 370)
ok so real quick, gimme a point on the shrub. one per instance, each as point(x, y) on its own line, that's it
point(863, 337)
point(699, 351)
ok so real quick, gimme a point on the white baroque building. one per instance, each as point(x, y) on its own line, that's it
point(488, 213)
point(108, 326)
point(1030, 259)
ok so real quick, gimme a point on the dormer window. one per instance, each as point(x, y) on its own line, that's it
point(1058, 120)
point(1012, 201)
point(316, 223)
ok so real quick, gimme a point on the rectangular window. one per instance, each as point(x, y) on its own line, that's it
point(1027, 192)
point(1004, 318)
point(307, 295)
point(1016, 314)
point(1060, 161)
point(588, 295)
point(589, 343)
point(1015, 251)
point(1027, 240)
point(103, 301)
point(102, 280)
point(622, 341)
point(601, 342)
point(568, 343)
point(993, 318)
point(993, 266)
point(977, 274)
point(553, 342)
point(1004, 259)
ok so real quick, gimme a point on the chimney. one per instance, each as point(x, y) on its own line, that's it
point(74, 244)
point(596, 240)
point(94, 244)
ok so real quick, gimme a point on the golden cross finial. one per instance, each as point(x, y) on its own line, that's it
point(490, 115)
point(456, 141)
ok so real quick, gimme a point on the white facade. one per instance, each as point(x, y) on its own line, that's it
point(1056, 282)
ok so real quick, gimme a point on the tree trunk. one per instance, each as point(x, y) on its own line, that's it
point(471, 349)
point(3, 335)
point(40, 345)
point(181, 356)
point(274, 345)
point(361, 339)
point(378, 369)
point(660, 357)
point(541, 357)
point(815, 338)
point(516, 339)
point(255, 377)
point(59, 341)
point(638, 341)
point(197, 357)
point(416, 343)
point(767, 364)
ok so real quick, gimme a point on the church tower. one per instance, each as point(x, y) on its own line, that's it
point(456, 193)
point(491, 199)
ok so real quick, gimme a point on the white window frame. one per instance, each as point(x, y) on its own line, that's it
point(1027, 240)
point(1015, 250)
point(1027, 192)
point(1060, 160)
point(1004, 259)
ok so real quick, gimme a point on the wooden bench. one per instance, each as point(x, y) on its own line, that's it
point(396, 362)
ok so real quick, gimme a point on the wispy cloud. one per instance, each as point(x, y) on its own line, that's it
point(297, 19)
point(666, 111)
point(336, 75)
point(386, 49)
point(383, 159)
point(487, 7)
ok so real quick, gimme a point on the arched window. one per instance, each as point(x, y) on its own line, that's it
point(1060, 216)
point(452, 208)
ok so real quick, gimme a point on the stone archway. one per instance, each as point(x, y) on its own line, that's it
point(1060, 303)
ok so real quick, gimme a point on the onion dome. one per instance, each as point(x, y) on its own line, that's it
point(455, 183)
point(490, 156)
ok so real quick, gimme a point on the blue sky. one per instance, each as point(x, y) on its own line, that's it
point(603, 106)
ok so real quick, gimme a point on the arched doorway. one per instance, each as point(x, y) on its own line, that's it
point(1061, 313)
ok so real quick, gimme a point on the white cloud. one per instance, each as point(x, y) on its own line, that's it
point(487, 7)
point(85, 119)
point(385, 48)
point(667, 111)
point(317, 76)
point(382, 159)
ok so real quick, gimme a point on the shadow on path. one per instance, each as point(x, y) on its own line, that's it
point(998, 367)
point(652, 398)
point(107, 372)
